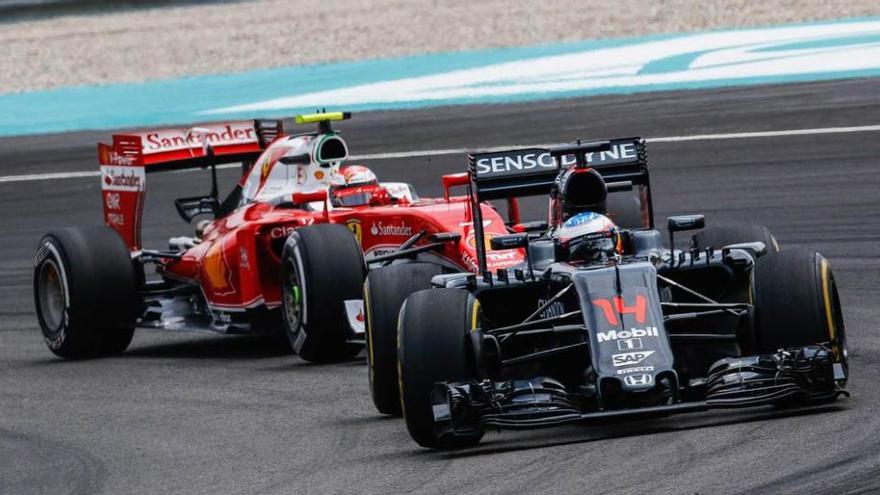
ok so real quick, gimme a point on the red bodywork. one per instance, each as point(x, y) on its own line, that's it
point(237, 263)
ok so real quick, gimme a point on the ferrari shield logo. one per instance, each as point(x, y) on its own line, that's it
point(264, 170)
point(355, 227)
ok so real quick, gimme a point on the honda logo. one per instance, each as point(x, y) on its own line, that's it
point(638, 380)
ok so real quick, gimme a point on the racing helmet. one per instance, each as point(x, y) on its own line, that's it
point(577, 190)
point(587, 236)
point(354, 185)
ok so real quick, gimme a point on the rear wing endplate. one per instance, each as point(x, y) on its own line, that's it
point(125, 163)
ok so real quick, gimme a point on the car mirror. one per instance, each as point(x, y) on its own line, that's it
point(686, 222)
point(679, 223)
point(445, 237)
point(511, 241)
point(532, 227)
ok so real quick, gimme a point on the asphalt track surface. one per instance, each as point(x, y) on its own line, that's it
point(195, 413)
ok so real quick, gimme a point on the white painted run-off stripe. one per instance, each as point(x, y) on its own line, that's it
point(453, 151)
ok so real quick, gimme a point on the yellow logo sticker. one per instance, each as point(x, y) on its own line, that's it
point(355, 227)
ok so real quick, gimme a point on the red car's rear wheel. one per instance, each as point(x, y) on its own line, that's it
point(85, 292)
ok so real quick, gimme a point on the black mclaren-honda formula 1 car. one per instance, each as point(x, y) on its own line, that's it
point(602, 321)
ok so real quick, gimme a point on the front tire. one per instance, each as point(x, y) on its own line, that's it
point(384, 292)
point(432, 347)
point(796, 303)
point(724, 234)
point(85, 292)
point(322, 266)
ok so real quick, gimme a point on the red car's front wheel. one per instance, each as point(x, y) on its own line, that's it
point(322, 266)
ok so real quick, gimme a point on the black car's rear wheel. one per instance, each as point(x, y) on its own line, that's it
point(384, 292)
point(322, 266)
point(796, 303)
point(433, 347)
point(85, 292)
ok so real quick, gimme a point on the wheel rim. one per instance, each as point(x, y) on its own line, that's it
point(51, 295)
point(292, 299)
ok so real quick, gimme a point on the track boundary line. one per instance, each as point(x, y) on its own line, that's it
point(452, 151)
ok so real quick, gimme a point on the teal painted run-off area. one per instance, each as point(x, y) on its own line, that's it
point(803, 52)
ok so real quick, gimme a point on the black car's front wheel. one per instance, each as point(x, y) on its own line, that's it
point(796, 304)
point(433, 347)
point(724, 234)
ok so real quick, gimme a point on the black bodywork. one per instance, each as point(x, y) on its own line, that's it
point(651, 331)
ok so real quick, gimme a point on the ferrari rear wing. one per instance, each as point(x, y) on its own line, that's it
point(125, 162)
point(533, 171)
point(177, 148)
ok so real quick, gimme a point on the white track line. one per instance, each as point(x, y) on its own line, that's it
point(454, 151)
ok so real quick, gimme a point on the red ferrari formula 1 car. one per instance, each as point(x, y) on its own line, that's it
point(283, 251)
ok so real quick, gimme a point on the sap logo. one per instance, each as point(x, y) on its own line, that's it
point(638, 380)
point(630, 358)
point(627, 334)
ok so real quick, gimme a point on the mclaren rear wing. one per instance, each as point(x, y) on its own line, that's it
point(533, 171)
point(125, 162)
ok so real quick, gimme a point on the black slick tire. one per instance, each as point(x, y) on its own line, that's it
point(85, 292)
point(719, 235)
point(797, 304)
point(384, 292)
point(322, 266)
point(432, 347)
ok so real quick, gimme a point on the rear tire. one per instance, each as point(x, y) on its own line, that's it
point(384, 292)
point(720, 235)
point(625, 210)
point(85, 292)
point(432, 346)
point(796, 303)
point(321, 267)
